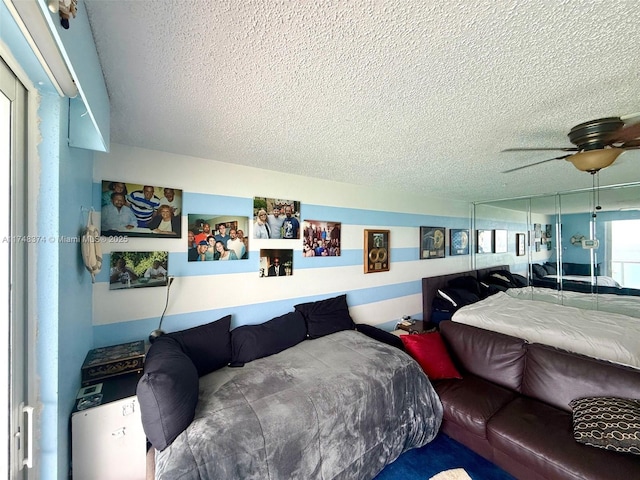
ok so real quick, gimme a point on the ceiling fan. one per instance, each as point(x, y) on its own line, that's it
point(598, 143)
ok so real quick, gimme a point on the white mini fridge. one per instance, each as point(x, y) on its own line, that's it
point(108, 441)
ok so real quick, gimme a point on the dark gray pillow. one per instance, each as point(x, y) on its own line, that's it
point(538, 270)
point(519, 280)
point(467, 282)
point(607, 422)
point(208, 346)
point(550, 268)
point(167, 392)
point(249, 342)
point(326, 316)
point(380, 335)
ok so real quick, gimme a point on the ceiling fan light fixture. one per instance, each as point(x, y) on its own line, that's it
point(594, 160)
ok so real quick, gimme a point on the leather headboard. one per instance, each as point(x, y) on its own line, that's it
point(430, 285)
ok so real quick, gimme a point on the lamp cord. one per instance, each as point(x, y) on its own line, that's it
point(166, 304)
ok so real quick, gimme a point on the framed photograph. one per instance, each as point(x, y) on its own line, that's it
point(134, 210)
point(217, 237)
point(276, 218)
point(276, 263)
point(431, 242)
point(537, 230)
point(537, 246)
point(500, 241)
point(520, 244)
point(320, 238)
point(138, 269)
point(547, 230)
point(459, 241)
point(484, 240)
point(376, 251)
point(549, 246)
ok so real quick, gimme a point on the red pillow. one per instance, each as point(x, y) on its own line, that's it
point(429, 350)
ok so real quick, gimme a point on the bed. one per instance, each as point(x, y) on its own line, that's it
point(574, 276)
point(521, 312)
point(308, 402)
point(607, 336)
point(613, 303)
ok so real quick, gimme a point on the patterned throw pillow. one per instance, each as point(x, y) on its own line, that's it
point(607, 422)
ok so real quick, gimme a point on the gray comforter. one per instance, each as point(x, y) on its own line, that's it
point(338, 407)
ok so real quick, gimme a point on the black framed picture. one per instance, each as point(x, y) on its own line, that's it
point(520, 244)
point(484, 241)
point(432, 242)
point(500, 241)
point(459, 241)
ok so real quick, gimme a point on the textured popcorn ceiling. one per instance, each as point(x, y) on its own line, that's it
point(409, 95)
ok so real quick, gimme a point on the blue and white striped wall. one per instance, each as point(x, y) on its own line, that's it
point(203, 292)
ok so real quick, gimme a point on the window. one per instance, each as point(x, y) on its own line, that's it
point(625, 252)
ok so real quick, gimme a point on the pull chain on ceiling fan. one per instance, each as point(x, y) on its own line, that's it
point(598, 143)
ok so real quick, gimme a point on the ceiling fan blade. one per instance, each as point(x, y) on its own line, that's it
point(626, 134)
point(536, 163)
point(631, 118)
point(561, 149)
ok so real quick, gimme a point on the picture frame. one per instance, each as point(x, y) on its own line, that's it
point(484, 241)
point(137, 210)
point(520, 244)
point(132, 270)
point(282, 218)
point(276, 262)
point(376, 251)
point(459, 241)
point(432, 242)
point(321, 238)
point(231, 230)
point(537, 230)
point(548, 231)
point(500, 241)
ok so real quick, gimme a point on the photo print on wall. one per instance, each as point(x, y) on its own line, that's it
point(320, 238)
point(485, 241)
point(136, 210)
point(276, 218)
point(276, 262)
point(217, 237)
point(138, 269)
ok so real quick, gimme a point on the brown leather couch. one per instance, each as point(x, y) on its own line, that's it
point(512, 405)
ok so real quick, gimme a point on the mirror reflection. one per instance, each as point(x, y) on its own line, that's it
point(580, 248)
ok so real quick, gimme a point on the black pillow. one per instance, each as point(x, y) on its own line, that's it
point(498, 278)
point(167, 392)
point(249, 342)
point(468, 283)
point(538, 270)
point(550, 268)
point(380, 335)
point(208, 346)
point(439, 304)
point(326, 316)
point(519, 280)
point(457, 297)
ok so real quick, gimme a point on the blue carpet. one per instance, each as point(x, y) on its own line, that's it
point(441, 454)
